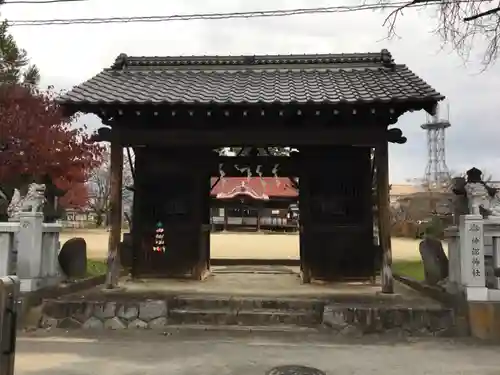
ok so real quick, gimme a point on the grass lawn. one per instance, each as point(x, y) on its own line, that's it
point(410, 268)
point(96, 267)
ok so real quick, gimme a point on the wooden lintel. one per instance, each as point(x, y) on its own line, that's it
point(258, 137)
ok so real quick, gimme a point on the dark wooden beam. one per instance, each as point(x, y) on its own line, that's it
point(381, 161)
point(359, 136)
point(115, 201)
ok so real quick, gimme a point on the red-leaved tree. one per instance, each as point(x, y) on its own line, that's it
point(37, 139)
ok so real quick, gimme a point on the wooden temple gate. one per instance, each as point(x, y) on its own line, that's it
point(175, 112)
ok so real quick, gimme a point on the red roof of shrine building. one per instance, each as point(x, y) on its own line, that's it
point(255, 187)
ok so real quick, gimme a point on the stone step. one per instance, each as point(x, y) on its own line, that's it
point(256, 317)
point(343, 319)
point(247, 303)
point(280, 328)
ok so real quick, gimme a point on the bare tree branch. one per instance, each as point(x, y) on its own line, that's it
point(100, 189)
point(483, 14)
point(460, 23)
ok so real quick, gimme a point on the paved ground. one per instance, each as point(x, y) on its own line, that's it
point(242, 245)
point(224, 354)
point(260, 284)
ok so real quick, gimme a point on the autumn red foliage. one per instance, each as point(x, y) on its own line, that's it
point(37, 139)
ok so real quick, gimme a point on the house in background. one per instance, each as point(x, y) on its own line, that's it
point(253, 203)
point(399, 191)
point(78, 218)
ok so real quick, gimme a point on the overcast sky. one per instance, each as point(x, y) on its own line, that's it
point(68, 55)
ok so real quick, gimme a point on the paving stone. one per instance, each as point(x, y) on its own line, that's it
point(105, 310)
point(114, 323)
point(150, 310)
point(93, 323)
point(127, 312)
point(138, 324)
point(158, 323)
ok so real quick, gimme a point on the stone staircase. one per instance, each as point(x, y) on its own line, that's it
point(245, 311)
point(344, 316)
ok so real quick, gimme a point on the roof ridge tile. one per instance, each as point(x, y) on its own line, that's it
point(383, 58)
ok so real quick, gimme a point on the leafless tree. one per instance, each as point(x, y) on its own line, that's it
point(100, 189)
point(460, 23)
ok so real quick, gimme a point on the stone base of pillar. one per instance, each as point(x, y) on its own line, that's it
point(31, 285)
point(34, 284)
point(479, 294)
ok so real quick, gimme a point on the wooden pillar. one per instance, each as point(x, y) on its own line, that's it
point(115, 203)
point(384, 219)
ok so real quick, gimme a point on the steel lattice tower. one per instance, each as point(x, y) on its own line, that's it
point(437, 175)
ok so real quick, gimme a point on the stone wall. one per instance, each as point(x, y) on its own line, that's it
point(338, 319)
point(349, 320)
point(110, 315)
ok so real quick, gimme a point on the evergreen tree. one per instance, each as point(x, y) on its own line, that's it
point(15, 66)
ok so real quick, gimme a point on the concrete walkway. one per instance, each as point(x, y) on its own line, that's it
point(116, 353)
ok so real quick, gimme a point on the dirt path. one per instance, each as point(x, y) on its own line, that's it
point(242, 245)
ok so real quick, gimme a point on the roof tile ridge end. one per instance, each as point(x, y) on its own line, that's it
point(387, 59)
point(121, 62)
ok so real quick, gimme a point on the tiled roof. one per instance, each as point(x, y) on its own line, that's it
point(333, 78)
point(283, 189)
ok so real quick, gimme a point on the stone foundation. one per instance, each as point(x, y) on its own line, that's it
point(351, 320)
point(340, 319)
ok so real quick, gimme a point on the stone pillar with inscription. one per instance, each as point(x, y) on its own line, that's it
point(29, 252)
point(473, 276)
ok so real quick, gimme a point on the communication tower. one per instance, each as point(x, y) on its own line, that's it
point(437, 175)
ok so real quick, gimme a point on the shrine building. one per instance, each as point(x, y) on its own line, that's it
point(241, 203)
point(337, 110)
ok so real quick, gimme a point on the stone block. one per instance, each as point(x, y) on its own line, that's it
point(114, 324)
point(334, 318)
point(434, 260)
point(127, 312)
point(346, 320)
point(138, 324)
point(158, 323)
point(80, 311)
point(93, 323)
point(73, 258)
point(106, 310)
point(48, 322)
point(441, 321)
point(484, 320)
point(150, 310)
point(69, 323)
